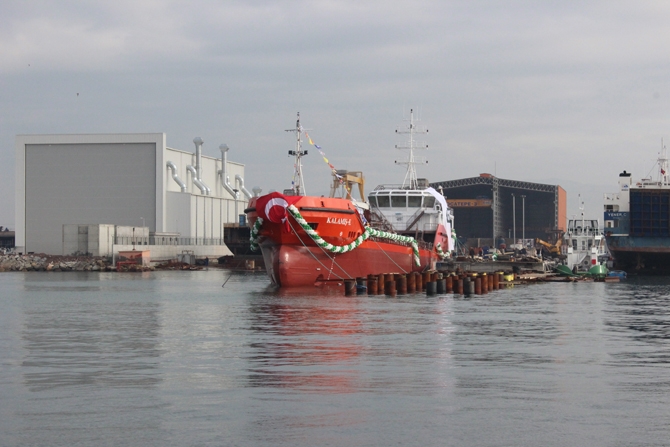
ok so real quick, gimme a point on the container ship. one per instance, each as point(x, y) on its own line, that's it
point(310, 240)
point(637, 222)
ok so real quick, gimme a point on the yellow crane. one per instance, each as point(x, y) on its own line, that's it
point(346, 180)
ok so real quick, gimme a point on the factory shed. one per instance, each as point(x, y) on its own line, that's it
point(487, 207)
point(124, 180)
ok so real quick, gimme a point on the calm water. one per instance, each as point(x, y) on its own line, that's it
point(174, 359)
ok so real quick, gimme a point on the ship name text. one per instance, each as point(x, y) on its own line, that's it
point(338, 221)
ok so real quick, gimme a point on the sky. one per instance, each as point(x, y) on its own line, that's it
point(569, 93)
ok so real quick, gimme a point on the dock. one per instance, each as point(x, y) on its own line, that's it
point(491, 266)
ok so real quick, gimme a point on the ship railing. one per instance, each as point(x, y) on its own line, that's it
point(425, 245)
point(611, 197)
point(393, 186)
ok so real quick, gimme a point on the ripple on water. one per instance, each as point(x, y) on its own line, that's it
point(175, 359)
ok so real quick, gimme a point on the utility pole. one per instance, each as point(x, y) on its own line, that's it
point(514, 217)
point(523, 218)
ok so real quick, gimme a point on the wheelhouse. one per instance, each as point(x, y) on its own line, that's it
point(404, 199)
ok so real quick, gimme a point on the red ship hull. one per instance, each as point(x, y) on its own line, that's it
point(292, 258)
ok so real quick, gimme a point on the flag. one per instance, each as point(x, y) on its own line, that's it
point(273, 206)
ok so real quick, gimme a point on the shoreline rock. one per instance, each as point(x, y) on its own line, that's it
point(49, 263)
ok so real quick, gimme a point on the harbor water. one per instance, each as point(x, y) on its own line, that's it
point(175, 359)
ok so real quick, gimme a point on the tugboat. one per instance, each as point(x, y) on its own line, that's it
point(583, 248)
point(584, 244)
point(309, 240)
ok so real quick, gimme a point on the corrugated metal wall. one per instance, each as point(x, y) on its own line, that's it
point(86, 183)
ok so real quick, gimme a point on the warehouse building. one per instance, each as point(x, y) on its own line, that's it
point(129, 181)
point(490, 208)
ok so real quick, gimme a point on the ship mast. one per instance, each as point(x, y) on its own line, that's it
point(663, 165)
point(298, 181)
point(410, 180)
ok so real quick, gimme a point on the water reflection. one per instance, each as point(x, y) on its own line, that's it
point(320, 340)
point(69, 342)
point(639, 317)
point(305, 340)
point(510, 331)
point(552, 364)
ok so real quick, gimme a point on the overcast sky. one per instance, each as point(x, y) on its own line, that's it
point(552, 92)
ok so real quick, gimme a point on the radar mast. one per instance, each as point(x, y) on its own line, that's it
point(298, 185)
point(410, 180)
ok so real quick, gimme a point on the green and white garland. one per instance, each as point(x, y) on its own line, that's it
point(368, 233)
point(254, 234)
point(438, 247)
point(440, 253)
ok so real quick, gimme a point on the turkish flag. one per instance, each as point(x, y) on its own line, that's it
point(273, 206)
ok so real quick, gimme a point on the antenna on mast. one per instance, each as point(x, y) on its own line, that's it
point(298, 181)
point(663, 165)
point(410, 176)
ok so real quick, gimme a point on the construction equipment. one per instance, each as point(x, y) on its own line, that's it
point(553, 249)
point(345, 180)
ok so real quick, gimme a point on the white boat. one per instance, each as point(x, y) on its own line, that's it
point(584, 244)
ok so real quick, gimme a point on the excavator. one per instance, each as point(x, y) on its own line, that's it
point(553, 249)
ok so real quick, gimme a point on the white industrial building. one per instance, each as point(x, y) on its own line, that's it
point(181, 198)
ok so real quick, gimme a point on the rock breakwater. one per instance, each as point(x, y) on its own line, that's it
point(48, 263)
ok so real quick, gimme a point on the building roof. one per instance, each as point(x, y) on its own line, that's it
point(488, 179)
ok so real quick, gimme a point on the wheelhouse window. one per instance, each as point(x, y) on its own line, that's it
point(429, 202)
point(399, 201)
point(383, 201)
point(414, 201)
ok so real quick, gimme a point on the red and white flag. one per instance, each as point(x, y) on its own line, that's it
point(273, 206)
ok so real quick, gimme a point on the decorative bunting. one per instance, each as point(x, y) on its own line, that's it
point(253, 240)
point(368, 233)
point(323, 155)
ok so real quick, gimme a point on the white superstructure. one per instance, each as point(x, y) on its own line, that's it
point(583, 244)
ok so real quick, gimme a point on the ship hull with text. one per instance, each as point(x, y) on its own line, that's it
point(637, 222)
point(294, 257)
